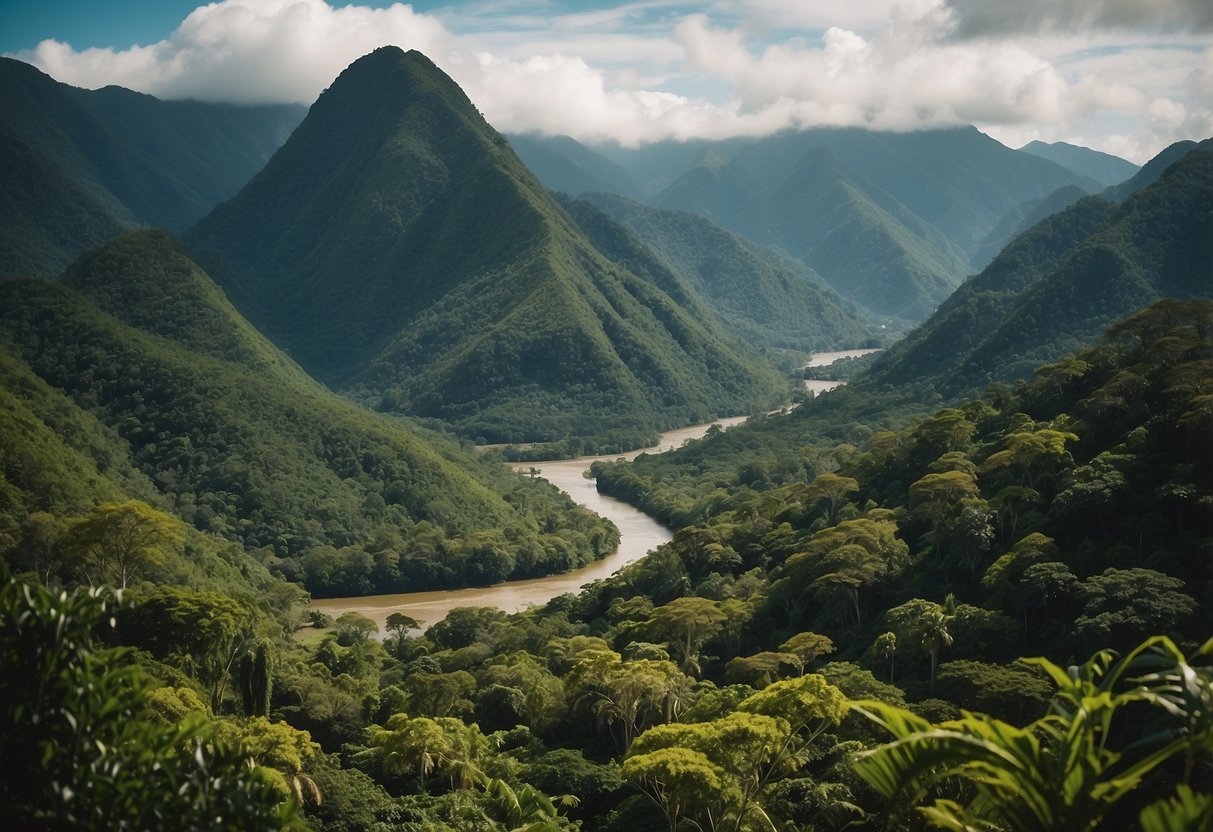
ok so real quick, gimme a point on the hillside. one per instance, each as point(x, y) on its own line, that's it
point(1061, 282)
point(120, 158)
point(890, 220)
point(566, 166)
point(398, 249)
point(764, 298)
point(1104, 168)
point(239, 443)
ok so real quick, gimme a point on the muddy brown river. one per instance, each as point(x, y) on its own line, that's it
point(638, 533)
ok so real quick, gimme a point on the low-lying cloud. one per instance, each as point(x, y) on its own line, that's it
point(1050, 72)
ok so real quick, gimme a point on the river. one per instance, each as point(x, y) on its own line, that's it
point(639, 533)
point(821, 359)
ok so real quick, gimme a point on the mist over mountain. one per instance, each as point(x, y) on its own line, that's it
point(892, 221)
point(82, 165)
point(1102, 167)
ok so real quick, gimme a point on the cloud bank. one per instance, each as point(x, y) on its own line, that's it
point(1126, 76)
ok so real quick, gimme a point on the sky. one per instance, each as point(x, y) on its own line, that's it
point(1127, 77)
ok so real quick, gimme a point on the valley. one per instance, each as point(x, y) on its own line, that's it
point(366, 469)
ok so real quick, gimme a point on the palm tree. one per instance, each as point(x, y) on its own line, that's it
point(1057, 772)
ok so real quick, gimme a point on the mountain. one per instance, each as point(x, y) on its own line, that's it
point(1020, 219)
point(1151, 170)
point(1056, 286)
point(567, 166)
point(46, 219)
point(239, 442)
point(398, 248)
point(868, 246)
point(764, 298)
point(1104, 168)
point(82, 165)
point(892, 221)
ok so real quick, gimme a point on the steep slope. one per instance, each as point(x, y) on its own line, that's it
point(1152, 170)
point(567, 166)
point(766, 299)
point(1020, 218)
point(1058, 284)
point(240, 443)
point(869, 247)
point(123, 157)
point(916, 205)
point(398, 248)
point(46, 219)
point(146, 281)
point(1104, 168)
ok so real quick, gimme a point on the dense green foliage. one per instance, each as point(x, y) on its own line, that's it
point(79, 166)
point(83, 747)
point(233, 438)
point(1058, 285)
point(445, 282)
point(765, 299)
point(749, 673)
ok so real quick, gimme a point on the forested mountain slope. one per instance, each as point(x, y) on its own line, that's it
point(241, 443)
point(1104, 168)
point(1057, 285)
point(80, 165)
point(764, 298)
point(891, 220)
point(398, 249)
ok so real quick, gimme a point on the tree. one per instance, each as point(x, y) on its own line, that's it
point(1060, 771)
point(923, 624)
point(678, 780)
point(80, 746)
point(1122, 606)
point(885, 646)
point(687, 623)
point(354, 629)
point(117, 541)
point(1033, 454)
point(400, 625)
point(807, 647)
point(833, 490)
point(425, 746)
point(276, 746)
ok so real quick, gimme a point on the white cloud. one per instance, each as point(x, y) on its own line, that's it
point(651, 69)
point(247, 51)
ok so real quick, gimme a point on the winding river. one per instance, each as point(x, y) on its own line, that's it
point(639, 533)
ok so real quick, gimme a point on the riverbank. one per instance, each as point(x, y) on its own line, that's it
point(639, 534)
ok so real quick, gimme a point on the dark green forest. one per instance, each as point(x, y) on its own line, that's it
point(969, 590)
point(214, 424)
point(878, 639)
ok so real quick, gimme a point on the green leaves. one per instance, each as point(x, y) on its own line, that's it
point(1058, 772)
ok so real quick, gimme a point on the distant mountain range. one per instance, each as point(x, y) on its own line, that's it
point(84, 165)
point(1061, 282)
point(891, 221)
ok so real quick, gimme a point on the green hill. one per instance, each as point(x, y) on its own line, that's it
point(81, 165)
point(238, 442)
point(1060, 283)
point(764, 298)
point(398, 249)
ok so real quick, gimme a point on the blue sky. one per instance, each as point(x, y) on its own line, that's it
point(1126, 76)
